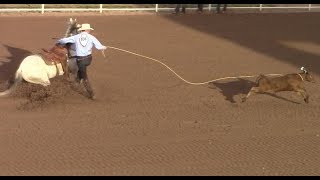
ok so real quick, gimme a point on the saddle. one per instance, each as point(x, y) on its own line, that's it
point(54, 56)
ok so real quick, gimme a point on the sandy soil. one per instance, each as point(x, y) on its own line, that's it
point(145, 120)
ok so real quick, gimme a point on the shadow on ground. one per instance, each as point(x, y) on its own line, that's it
point(264, 33)
point(10, 64)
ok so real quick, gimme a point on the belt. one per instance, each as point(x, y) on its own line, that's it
point(82, 57)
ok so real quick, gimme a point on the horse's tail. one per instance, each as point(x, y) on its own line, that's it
point(13, 83)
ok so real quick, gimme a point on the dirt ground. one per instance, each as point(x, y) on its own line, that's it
point(145, 120)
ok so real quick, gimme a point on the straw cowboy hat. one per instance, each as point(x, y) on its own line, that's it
point(85, 27)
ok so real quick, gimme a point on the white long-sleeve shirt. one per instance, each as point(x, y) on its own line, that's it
point(83, 43)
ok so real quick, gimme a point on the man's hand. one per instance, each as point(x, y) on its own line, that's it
point(104, 48)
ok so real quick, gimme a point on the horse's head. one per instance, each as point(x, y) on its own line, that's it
point(72, 27)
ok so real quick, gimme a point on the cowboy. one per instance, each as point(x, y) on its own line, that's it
point(84, 43)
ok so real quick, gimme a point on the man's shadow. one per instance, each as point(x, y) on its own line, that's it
point(239, 87)
point(10, 64)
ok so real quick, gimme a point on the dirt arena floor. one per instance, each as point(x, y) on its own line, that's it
point(145, 120)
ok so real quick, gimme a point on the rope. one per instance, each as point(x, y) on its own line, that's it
point(188, 82)
point(103, 54)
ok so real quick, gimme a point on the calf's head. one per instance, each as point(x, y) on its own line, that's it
point(307, 75)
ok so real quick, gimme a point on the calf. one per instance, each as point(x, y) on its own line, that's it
point(289, 82)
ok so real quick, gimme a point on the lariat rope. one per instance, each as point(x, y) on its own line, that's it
point(188, 82)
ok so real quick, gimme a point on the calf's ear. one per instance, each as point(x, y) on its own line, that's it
point(304, 69)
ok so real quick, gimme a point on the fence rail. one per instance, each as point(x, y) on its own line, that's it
point(101, 9)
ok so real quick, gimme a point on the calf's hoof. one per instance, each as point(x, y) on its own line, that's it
point(244, 99)
point(306, 100)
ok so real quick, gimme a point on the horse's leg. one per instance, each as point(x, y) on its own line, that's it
point(65, 69)
point(73, 69)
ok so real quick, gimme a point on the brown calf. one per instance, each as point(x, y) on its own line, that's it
point(289, 82)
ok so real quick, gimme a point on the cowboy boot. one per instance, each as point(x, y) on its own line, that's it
point(89, 89)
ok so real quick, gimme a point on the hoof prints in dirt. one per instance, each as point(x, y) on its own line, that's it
point(38, 96)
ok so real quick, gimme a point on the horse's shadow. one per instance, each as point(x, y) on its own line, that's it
point(240, 87)
point(10, 64)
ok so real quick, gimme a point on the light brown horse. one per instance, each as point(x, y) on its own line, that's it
point(40, 68)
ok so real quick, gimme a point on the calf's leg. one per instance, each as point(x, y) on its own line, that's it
point(252, 90)
point(302, 92)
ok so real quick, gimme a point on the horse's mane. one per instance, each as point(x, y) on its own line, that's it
point(71, 28)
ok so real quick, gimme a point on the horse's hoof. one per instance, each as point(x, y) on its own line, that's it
point(244, 100)
point(93, 97)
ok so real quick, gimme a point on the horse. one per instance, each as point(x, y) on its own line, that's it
point(72, 29)
point(40, 68)
point(72, 67)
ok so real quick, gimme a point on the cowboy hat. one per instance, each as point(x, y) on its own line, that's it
point(85, 27)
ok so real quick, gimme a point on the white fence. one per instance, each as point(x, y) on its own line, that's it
point(156, 8)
